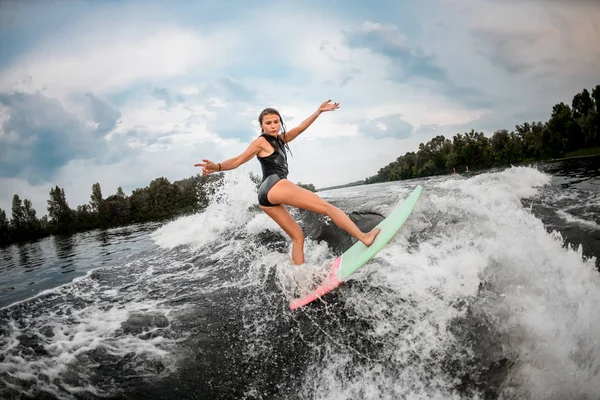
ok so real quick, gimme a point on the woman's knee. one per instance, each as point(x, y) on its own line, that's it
point(297, 235)
point(327, 209)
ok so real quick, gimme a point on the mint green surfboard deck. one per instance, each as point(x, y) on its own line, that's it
point(359, 254)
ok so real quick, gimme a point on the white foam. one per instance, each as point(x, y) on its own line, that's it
point(76, 332)
point(228, 208)
point(476, 243)
point(564, 214)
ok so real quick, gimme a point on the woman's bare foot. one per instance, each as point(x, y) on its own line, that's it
point(370, 237)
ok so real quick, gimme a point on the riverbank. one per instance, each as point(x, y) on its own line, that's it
point(583, 153)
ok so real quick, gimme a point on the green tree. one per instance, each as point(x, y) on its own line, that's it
point(5, 235)
point(85, 218)
point(61, 216)
point(139, 205)
point(459, 152)
point(162, 197)
point(595, 116)
point(96, 200)
point(561, 130)
point(32, 223)
point(531, 136)
point(582, 104)
point(117, 208)
point(500, 146)
point(18, 215)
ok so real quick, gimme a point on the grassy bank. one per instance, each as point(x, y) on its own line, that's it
point(592, 151)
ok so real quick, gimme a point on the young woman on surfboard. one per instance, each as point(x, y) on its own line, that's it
point(276, 190)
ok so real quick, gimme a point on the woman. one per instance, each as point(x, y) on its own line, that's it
point(276, 190)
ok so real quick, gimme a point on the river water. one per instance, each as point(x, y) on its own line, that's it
point(490, 290)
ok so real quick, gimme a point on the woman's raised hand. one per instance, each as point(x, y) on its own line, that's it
point(328, 106)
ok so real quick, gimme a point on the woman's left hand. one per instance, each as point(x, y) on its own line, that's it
point(328, 106)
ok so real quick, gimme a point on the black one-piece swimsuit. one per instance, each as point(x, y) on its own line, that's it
point(274, 168)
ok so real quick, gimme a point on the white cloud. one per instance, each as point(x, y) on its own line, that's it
point(319, 54)
point(525, 56)
point(542, 40)
point(339, 160)
point(154, 117)
point(390, 33)
point(101, 61)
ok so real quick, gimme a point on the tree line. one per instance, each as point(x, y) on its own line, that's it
point(570, 131)
point(159, 200)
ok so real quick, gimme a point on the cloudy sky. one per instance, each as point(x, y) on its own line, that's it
point(122, 92)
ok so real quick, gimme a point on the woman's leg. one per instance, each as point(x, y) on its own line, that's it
point(285, 192)
point(291, 227)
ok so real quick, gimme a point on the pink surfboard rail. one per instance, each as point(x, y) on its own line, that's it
point(330, 283)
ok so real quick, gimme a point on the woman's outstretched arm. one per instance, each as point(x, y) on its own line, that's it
point(294, 132)
point(253, 149)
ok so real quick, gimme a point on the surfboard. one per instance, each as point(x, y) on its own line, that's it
point(358, 254)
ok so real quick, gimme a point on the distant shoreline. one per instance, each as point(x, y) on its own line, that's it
point(504, 166)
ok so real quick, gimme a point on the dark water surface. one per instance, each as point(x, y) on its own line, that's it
point(490, 290)
point(572, 203)
point(29, 268)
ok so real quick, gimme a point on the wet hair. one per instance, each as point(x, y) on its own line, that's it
point(272, 111)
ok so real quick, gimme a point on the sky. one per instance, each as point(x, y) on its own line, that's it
point(123, 92)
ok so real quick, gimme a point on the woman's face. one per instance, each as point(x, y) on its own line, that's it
point(271, 124)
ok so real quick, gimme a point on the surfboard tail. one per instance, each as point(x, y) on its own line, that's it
point(331, 282)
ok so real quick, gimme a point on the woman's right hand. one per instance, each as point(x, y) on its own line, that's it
point(208, 167)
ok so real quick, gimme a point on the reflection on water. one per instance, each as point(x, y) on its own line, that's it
point(31, 256)
point(65, 251)
point(102, 237)
point(27, 269)
point(23, 255)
